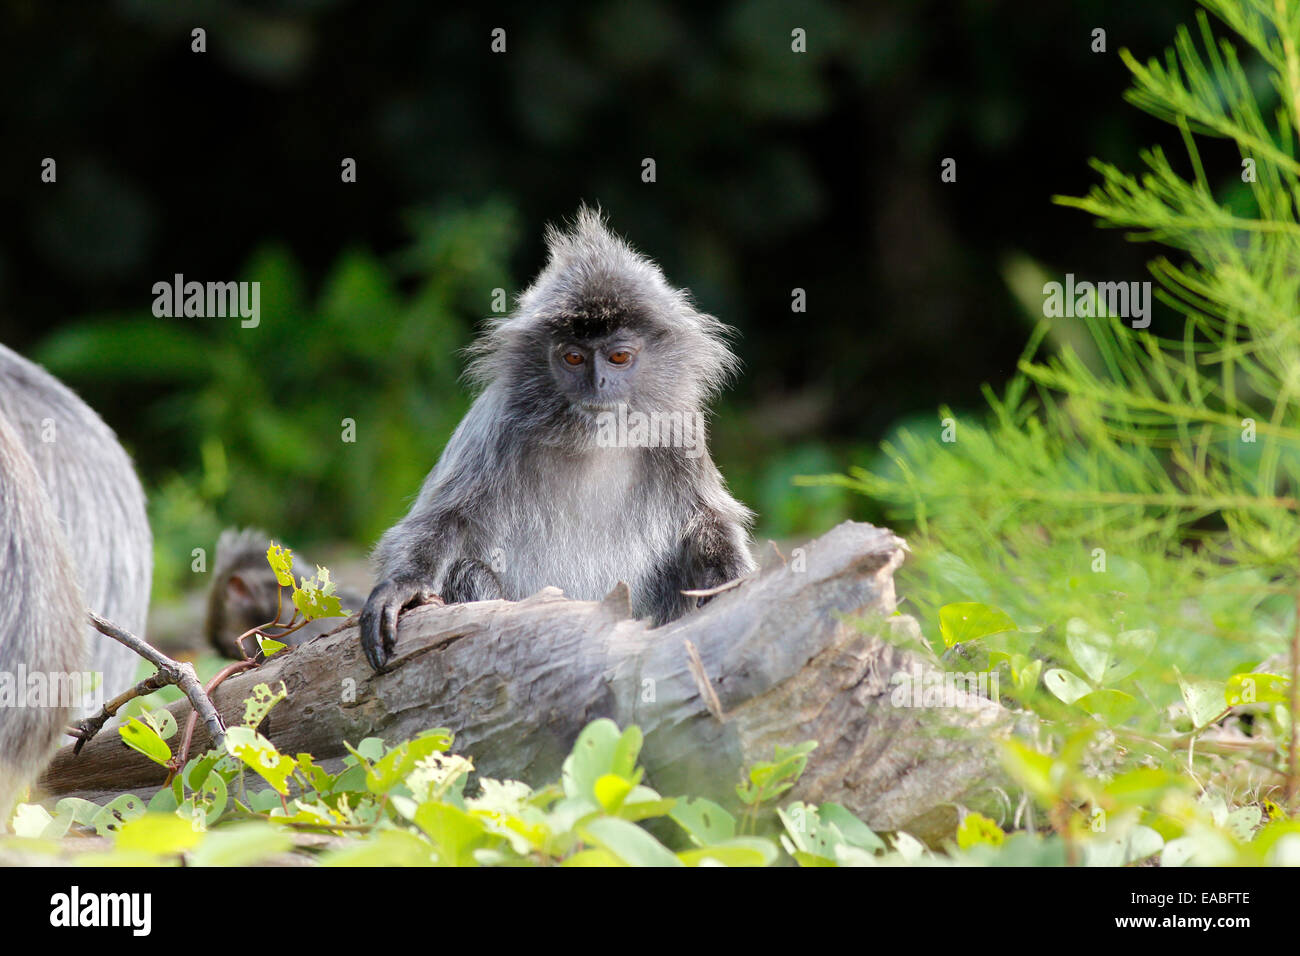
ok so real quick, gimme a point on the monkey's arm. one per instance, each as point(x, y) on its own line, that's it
point(422, 560)
point(714, 550)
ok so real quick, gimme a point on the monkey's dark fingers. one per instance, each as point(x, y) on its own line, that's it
point(388, 628)
point(371, 642)
point(379, 618)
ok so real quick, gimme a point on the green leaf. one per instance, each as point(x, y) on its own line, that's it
point(269, 646)
point(163, 801)
point(144, 739)
point(1257, 688)
point(1025, 673)
point(158, 833)
point(1111, 707)
point(769, 779)
point(394, 766)
point(611, 790)
point(117, 813)
point(370, 748)
point(597, 751)
point(454, 833)
point(83, 811)
point(246, 844)
point(1134, 844)
point(742, 851)
point(315, 597)
point(281, 561)
point(643, 803)
point(260, 754)
point(909, 847)
point(162, 721)
point(1090, 649)
point(1243, 821)
point(197, 770)
point(260, 702)
point(1131, 648)
point(317, 778)
point(1204, 699)
point(32, 820)
point(969, 621)
point(855, 832)
point(626, 752)
point(628, 842)
point(977, 829)
point(385, 848)
point(265, 801)
point(210, 799)
point(807, 833)
point(1142, 787)
point(704, 821)
point(1066, 686)
point(593, 858)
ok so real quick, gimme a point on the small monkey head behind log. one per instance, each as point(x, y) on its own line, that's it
point(583, 462)
point(245, 594)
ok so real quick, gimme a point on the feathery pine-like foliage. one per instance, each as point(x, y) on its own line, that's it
point(1134, 511)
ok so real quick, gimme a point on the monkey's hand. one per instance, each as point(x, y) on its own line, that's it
point(379, 617)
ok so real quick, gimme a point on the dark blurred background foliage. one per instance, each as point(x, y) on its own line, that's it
point(775, 171)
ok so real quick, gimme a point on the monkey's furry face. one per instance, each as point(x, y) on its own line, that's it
point(598, 373)
point(601, 327)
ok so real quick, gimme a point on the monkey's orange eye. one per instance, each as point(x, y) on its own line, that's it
point(573, 357)
point(621, 357)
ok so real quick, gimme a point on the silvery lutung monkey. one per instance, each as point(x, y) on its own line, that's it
point(73, 535)
point(583, 460)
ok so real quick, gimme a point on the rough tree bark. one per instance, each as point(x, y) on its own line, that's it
point(798, 651)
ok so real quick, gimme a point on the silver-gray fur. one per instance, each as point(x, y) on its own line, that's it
point(527, 495)
point(42, 621)
point(93, 487)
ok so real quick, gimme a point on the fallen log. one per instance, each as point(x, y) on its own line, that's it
point(797, 651)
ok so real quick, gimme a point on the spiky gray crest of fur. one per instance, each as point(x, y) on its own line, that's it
point(593, 283)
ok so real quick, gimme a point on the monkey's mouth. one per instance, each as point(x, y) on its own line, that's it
point(597, 407)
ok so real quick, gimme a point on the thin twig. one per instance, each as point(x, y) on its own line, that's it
point(710, 592)
point(703, 683)
point(218, 743)
point(178, 673)
point(87, 727)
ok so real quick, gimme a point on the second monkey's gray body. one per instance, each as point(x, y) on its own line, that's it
point(96, 496)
